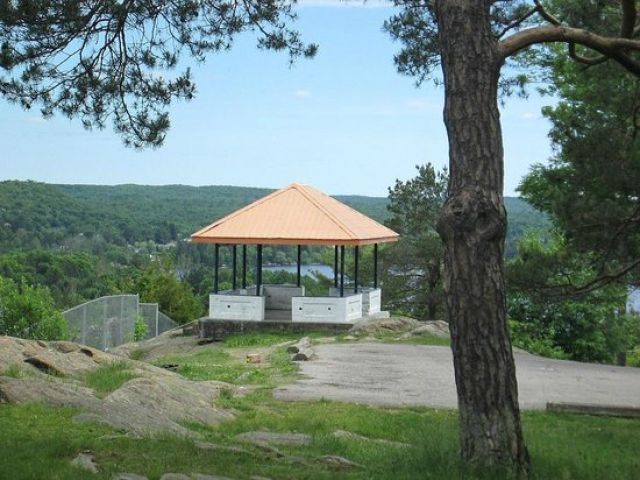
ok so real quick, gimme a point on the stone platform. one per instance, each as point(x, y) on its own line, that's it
point(214, 329)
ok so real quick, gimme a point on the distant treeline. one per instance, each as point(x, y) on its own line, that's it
point(64, 217)
point(82, 241)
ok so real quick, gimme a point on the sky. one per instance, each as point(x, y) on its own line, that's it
point(345, 121)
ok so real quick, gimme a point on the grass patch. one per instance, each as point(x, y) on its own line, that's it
point(40, 442)
point(259, 339)
point(426, 339)
point(561, 446)
point(582, 447)
point(216, 363)
point(137, 354)
point(395, 337)
point(15, 370)
point(107, 378)
point(275, 337)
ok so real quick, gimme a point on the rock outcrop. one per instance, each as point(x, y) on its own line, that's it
point(436, 328)
point(57, 358)
point(302, 350)
point(406, 326)
point(156, 400)
point(382, 325)
point(278, 438)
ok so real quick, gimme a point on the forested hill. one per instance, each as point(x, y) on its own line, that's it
point(39, 215)
point(191, 208)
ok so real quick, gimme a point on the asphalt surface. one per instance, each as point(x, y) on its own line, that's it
point(416, 375)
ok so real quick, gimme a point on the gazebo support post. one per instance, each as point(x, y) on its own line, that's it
point(299, 261)
point(342, 270)
point(258, 269)
point(216, 265)
point(244, 266)
point(356, 254)
point(234, 266)
point(335, 267)
point(375, 265)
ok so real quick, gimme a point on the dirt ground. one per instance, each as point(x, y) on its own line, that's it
point(414, 375)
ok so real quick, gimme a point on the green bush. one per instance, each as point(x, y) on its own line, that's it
point(140, 329)
point(586, 329)
point(29, 312)
point(159, 284)
point(529, 338)
point(633, 357)
point(547, 315)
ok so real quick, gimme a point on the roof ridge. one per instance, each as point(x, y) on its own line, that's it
point(335, 219)
point(355, 210)
point(231, 215)
point(348, 207)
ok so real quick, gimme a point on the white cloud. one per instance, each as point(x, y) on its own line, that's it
point(301, 93)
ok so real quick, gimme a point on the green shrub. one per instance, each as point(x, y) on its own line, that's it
point(158, 284)
point(137, 354)
point(550, 318)
point(29, 312)
point(523, 335)
point(140, 329)
point(587, 329)
point(633, 357)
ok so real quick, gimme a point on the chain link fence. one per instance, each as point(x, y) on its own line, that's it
point(107, 322)
point(157, 322)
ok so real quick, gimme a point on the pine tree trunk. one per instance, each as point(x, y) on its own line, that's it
point(473, 227)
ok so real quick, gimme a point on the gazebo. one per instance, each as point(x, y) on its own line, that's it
point(296, 215)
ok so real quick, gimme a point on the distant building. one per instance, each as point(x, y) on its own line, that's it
point(633, 301)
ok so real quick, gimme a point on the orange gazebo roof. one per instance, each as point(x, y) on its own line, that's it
point(296, 215)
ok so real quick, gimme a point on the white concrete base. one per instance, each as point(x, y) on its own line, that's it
point(327, 309)
point(371, 302)
point(278, 297)
point(371, 298)
point(236, 307)
point(380, 314)
point(239, 291)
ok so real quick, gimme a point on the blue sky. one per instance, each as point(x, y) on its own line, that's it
point(344, 121)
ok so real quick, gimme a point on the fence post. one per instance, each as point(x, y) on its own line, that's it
point(104, 325)
point(84, 325)
point(121, 339)
point(157, 310)
point(137, 314)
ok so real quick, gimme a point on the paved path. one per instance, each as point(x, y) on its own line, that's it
point(415, 375)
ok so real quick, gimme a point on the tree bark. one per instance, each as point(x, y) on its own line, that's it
point(433, 302)
point(473, 227)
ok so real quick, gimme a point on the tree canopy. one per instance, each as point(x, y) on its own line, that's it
point(590, 327)
point(413, 268)
point(111, 59)
point(591, 186)
point(29, 312)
